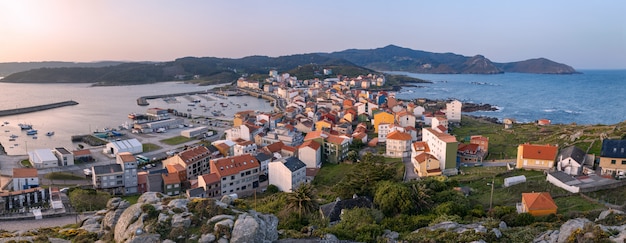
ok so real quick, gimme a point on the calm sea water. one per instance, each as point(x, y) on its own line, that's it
point(594, 97)
point(98, 108)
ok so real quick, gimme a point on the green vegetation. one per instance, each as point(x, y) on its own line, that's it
point(503, 142)
point(26, 163)
point(176, 140)
point(88, 200)
point(147, 147)
point(63, 176)
point(132, 199)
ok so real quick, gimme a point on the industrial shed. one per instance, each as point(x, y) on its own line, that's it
point(195, 132)
point(132, 146)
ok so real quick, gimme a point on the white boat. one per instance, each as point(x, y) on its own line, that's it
point(25, 126)
point(13, 136)
point(31, 132)
point(50, 133)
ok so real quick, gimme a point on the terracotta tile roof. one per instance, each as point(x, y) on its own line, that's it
point(479, 138)
point(194, 154)
point(83, 152)
point(233, 165)
point(174, 168)
point(142, 177)
point(169, 179)
point(222, 146)
point(336, 139)
point(245, 143)
point(210, 178)
point(315, 134)
point(423, 157)
point(275, 147)
point(438, 170)
point(539, 151)
point(398, 135)
point(538, 201)
point(24, 172)
point(442, 128)
point(289, 148)
point(127, 157)
point(311, 144)
point(359, 135)
point(421, 146)
point(468, 148)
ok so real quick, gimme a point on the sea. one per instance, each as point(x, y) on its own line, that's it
point(99, 108)
point(592, 97)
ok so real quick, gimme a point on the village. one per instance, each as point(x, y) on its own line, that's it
point(316, 123)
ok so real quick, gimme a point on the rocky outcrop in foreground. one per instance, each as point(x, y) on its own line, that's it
point(138, 223)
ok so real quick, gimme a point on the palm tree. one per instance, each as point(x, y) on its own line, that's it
point(421, 196)
point(302, 200)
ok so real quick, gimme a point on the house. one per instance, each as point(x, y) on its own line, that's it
point(195, 160)
point(210, 183)
point(155, 183)
point(332, 211)
point(171, 184)
point(25, 178)
point(22, 199)
point(405, 119)
point(439, 124)
point(536, 156)
point(310, 152)
point(264, 159)
point(242, 131)
point(469, 153)
point(237, 173)
point(83, 155)
point(613, 157)
point(537, 204)
point(129, 166)
point(287, 174)
point(180, 171)
point(142, 182)
point(570, 160)
point(132, 146)
point(244, 147)
point(453, 111)
point(195, 192)
point(382, 117)
point(543, 122)
point(286, 134)
point(108, 178)
point(43, 158)
point(64, 156)
point(335, 148)
point(383, 130)
point(483, 143)
point(508, 123)
point(426, 164)
point(398, 144)
point(445, 147)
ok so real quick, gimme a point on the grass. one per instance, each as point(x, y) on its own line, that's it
point(147, 147)
point(63, 176)
point(503, 143)
point(575, 203)
point(26, 163)
point(328, 176)
point(176, 140)
point(132, 199)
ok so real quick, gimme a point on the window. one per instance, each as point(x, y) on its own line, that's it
point(232, 177)
point(612, 161)
point(624, 162)
point(247, 172)
point(223, 178)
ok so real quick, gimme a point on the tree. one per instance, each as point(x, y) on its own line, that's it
point(302, 200)
point(363, 178)
point(421, 197)
point(394, 198)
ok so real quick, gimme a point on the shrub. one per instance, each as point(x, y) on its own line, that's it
point(271, 189)
point(150, 210)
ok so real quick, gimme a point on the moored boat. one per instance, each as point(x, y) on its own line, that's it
point(25, 126)
point(50, 133)
point(31, 132)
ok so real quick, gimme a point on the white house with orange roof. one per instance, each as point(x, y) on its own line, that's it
point(398, 144)
point(439, 124)
point(244, 147)
point(444, 147)
point(310, 152)
point(405, 119)
point(129, 165)
point(237, 173)
point(25, 178)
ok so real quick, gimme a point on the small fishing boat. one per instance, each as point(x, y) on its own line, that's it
point(50, 133)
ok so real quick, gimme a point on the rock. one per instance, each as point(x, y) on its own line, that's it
point(206, 238)
point(502, 225)
point(113, 215)
point(221, 204)
point(181, 220)
point(93, 219)
point(168, 241)
point(228, 223)
point(330, 238)
point(568, 227)
point(94, 228)
point(255, 227)
point(101, 212)
point(179, 203)
point(227, 199)
point(150, 198)
point(496, 232)
point(221, 217)
point(222, 240)
point(391, 236)
point(126, 225)
point(163, 217)
point(550, 236)
point(605, 213)
point(145, 238)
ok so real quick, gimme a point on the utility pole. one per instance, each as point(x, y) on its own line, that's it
point(491, 197)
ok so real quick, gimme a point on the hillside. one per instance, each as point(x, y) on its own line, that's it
point(395, 58)
point(8, 68)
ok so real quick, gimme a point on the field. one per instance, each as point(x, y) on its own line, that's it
point(176, 140)
point(479, 179)
point(503, 143)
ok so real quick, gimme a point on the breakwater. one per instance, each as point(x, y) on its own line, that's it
point(143, 101)
point(23, 110)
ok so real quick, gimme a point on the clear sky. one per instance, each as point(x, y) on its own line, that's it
point(583, 34)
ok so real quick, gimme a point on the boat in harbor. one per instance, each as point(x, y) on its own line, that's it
point(50, 133)
point(31, 132)
point(13, 136)
point(25, 126)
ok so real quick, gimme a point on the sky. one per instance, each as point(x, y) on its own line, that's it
point(582, 34)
